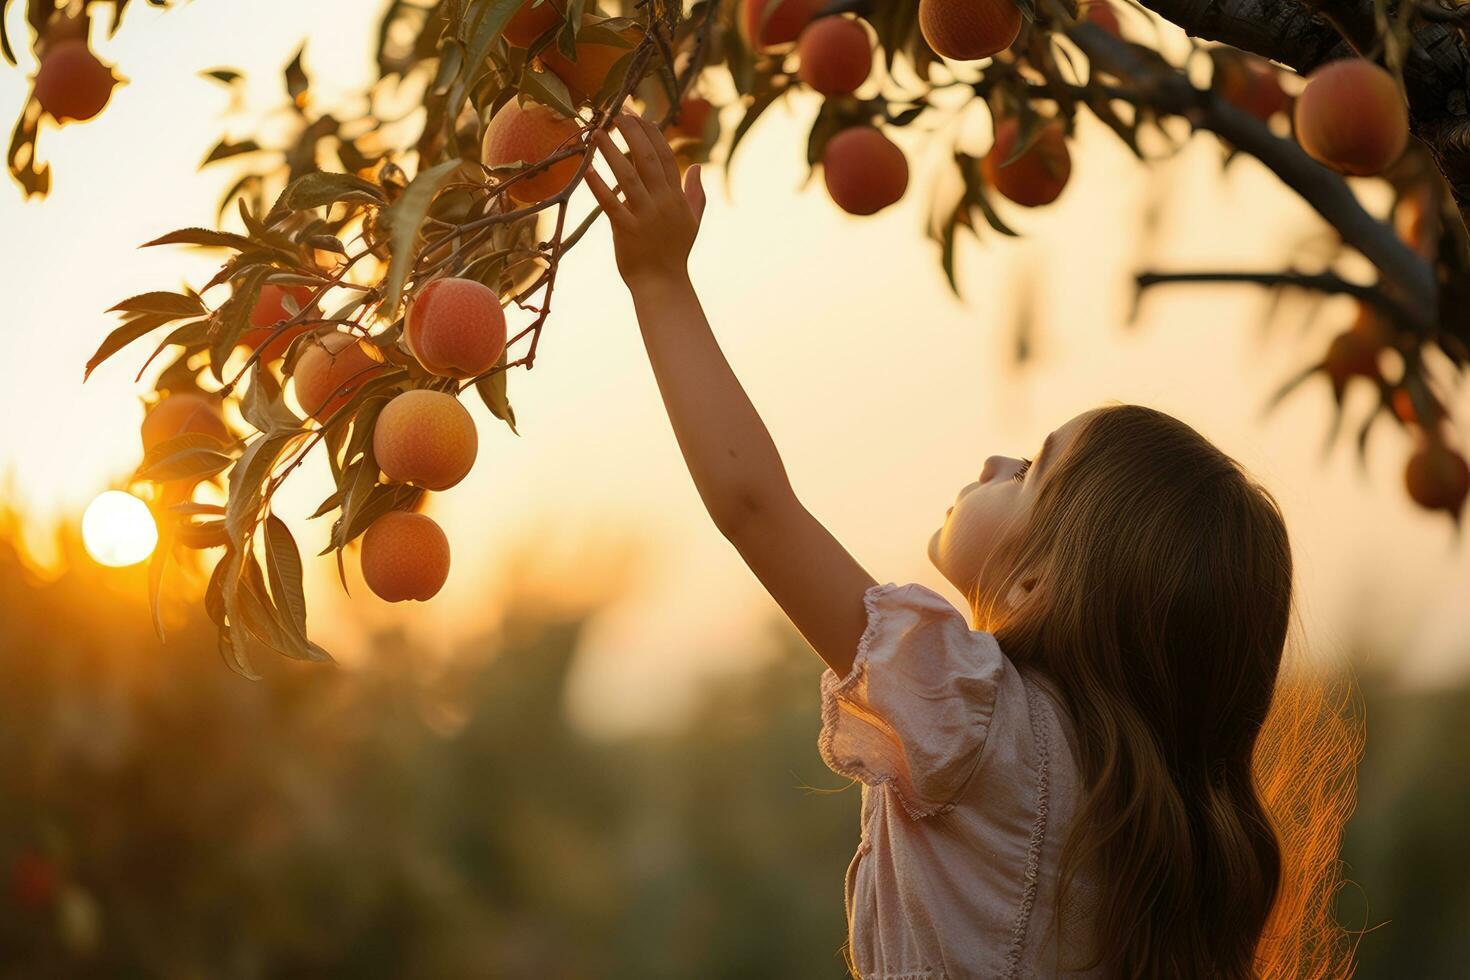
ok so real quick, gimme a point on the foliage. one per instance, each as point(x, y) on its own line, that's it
point(334, 213)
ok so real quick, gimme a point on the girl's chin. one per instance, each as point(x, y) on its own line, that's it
point(934, 547)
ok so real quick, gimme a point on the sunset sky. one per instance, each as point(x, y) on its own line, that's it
point(883, 392)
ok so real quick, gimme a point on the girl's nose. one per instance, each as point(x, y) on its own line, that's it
point(996, 465)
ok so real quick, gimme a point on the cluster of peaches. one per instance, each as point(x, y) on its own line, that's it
point(423, 437)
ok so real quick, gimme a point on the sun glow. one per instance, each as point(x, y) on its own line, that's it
point(118, 530)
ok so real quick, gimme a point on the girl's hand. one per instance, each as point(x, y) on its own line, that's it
point(655, 222)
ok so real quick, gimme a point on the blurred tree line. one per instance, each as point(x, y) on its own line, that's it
point(161, 817)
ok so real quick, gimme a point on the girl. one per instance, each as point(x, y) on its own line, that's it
point(1068, 788)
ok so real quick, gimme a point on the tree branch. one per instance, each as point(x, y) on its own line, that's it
point(1317, 282)
point(1170, 91)
point(1308, 33)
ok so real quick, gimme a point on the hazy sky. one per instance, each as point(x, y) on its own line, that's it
point(883, 392)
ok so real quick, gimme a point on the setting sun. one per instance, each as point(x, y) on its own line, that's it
point(118, 530)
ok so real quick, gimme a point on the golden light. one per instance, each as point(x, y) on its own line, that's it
point(118, 530)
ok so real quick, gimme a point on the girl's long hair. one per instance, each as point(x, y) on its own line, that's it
point(1216, 779)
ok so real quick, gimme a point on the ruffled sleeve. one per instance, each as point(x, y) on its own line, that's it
point(916, 707)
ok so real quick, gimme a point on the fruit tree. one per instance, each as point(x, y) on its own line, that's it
point(368, 259)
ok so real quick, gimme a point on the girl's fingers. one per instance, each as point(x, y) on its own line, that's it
point(662, 150)
point(694, 192)
point(650, 172)
point(621, 167)
point(606, 197)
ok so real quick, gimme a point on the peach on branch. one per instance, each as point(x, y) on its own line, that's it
point(967, 30)
point(1352, 117)
point(1037, 176)
point(405, 556)
point(330, 371)
point(72, 83)
point(532, 20)
point(426, 438)
point(835, 55)
point(456, 328)
point(180, 414)
point(1250, 84)
point(864, 170)
point(269, 310)
point(585, 76)
point(529, 133)
point(1437, 477)
point(768, 24)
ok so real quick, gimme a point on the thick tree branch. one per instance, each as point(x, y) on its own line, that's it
point(1170, 91)
point(1303, 34)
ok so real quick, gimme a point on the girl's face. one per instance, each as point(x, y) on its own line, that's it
point(994, 508)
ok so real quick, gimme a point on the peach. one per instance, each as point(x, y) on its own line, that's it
point(865, 172)
point(426, 438)
point(405, 556)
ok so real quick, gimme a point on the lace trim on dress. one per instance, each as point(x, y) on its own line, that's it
point(854, 768)
point(1042, 740)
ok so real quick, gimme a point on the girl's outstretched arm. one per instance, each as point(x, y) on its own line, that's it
point(735, 465)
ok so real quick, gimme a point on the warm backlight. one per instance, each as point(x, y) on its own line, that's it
point(118, 530)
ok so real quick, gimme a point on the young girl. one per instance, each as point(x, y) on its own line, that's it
point(1068, 788)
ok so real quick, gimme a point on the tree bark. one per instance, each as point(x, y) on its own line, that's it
point(1303, 34)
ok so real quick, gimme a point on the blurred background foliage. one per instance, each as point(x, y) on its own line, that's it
point(417, 816)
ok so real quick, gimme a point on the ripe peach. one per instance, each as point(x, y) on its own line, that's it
point(532, 20)
point(1352, 117)
point(1352, 353)
point(1101, 13)
point(1252, 85)
point(72, 83)
point(330, 371)
point(1039, 174)
point(966, 30)
point(405, 556)
point(270, 310)
point(530, 133)
point(783, 24)
point(1437, 477)
point(426, 438)
point(865, 172)
point(835, 55)
point(175, 415)
point(585, 76)
point(456, 328)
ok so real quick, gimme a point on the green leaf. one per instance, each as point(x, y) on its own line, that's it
point(247, 483)
point(262, 404)
point(120, 338)
point(492, 393)
point(283, 562)
point(489, 18)
point(224, 149)
point(296, 80)
point(547, 88)
point(173, 305)
point(319, 189)
point(193, 455)
point(404, 219)
point(206, 238)
point(229, 321)
point(232, 639)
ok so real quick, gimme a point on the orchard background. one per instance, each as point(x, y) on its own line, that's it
point(591, 626)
